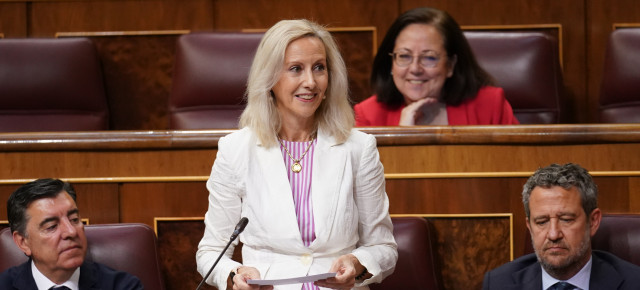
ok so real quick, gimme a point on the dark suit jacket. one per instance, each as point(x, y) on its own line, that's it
point(608, 272)
point(93, 276)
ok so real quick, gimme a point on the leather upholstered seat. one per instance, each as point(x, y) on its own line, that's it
point(50, 84)
point(526, 65)
point(417, 266)
point(620, 91)
point(129, 247)
point(209, 79)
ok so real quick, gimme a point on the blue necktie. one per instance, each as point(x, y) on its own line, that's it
point(59, 288)
point(562, 286)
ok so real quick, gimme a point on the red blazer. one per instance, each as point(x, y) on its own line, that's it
point(489, 107)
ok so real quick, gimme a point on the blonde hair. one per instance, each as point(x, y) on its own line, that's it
point(334, 116)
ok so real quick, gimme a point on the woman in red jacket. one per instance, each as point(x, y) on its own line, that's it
point(426, 74)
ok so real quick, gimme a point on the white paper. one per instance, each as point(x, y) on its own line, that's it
point(303, 279)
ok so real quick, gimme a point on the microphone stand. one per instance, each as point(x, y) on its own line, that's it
point(239, 228)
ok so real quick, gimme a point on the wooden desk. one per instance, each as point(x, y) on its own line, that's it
point(453, 171)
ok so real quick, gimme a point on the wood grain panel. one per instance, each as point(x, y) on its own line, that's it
point(137, 71)
point(357, 49)
point(13, 19)
point(48, 17)
point(31, 165)
point(240, 14)
point(98, 202)
point(569, 14)
point(525, 158)
point(601, 16)
point(469, 247)
point(142, 202)
point(466, 248)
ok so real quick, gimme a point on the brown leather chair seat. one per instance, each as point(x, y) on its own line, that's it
point(209, 79)
point(126, 247)
point(417, 266)
point(620, 91)
point(526, 65)
point(50, 84)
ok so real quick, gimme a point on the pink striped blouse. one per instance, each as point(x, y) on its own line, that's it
point(301, 186)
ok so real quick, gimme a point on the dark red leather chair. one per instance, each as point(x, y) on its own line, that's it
point(620, 91)
point(417, 266)
point(618, 234)
point(51, 85)
point(526, 65)
point(126, 247)
point(209, 79)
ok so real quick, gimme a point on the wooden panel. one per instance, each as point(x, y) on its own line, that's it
point(469, 247)
point(142, 202)
point(601, 16)
point(137, 68)
point(357, 49)
point(240, 14)
point(13, 19)
point(569, 14)
point(178, 240)
point(98, 202)
point(484, 240)
point(48, 17)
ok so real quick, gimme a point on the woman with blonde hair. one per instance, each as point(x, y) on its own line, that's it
point(311, 186)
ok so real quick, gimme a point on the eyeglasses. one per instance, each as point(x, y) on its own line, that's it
point(428, 59)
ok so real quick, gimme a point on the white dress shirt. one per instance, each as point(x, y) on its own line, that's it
point(44, 283)
point(580, 279)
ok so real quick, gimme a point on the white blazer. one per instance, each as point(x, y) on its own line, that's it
point(350, 206)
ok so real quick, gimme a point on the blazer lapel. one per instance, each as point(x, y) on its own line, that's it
point(328, 172)
point(271, 165)
point(603, 275)
point(529, 278)
point(24, 278)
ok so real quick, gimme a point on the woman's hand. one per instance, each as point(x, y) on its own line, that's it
point(245, 273)
point(347, 267)
point(413, 112)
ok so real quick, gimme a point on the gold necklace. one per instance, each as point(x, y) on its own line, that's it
point(296, 167)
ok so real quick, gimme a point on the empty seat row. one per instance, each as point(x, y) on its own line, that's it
point(57, 84)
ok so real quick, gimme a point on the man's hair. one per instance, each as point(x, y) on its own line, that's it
point(20, 199)
point(566, 176)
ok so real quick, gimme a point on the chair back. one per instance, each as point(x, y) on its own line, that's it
point(210, 78)
point(620, 90)
point(527, 66)
point(129, 247)
point(417, 266)
point(51, 84)
point(618, 234)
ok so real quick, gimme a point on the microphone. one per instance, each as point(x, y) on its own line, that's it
point(239, 228)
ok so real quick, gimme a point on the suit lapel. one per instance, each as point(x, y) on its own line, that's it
point(529, 278)
point(328, 170)
point(24, 278)
point(272, 167)
point(603, 275)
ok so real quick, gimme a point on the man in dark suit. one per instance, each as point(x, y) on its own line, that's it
point(560, 203)
point(46, 226)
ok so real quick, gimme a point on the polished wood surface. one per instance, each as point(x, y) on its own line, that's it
point(448, 170)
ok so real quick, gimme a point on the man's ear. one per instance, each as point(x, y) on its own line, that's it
point(594, 220)
point(22, 242)
point(526, 221)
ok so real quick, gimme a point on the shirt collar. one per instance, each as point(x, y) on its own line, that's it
point(580, 280)
point(44, 283)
